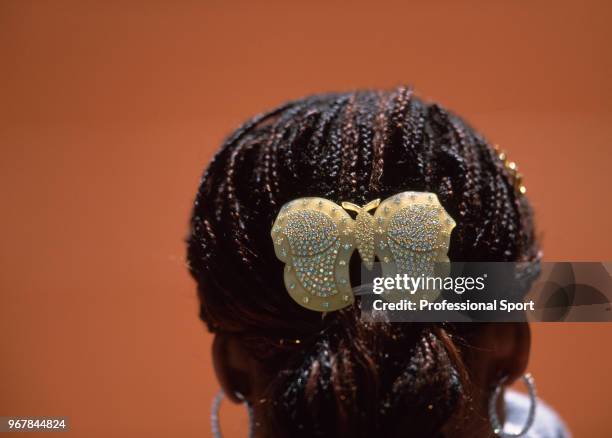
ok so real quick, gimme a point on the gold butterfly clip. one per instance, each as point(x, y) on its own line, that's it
point(315, 238)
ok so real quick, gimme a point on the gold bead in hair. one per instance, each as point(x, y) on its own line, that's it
point(284, 341)
point(512, 169)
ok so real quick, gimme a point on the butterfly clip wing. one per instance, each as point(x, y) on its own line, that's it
point(412, 238)
point(314, 238)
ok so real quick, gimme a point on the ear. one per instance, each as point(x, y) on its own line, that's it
point(510, 344)
point(233, 367)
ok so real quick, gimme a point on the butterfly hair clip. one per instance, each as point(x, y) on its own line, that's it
point(408, 233)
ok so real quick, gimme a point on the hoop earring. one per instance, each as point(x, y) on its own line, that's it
point(214, 414)
point(498, 428)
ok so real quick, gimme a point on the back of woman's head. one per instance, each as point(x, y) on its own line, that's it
point(336, 375)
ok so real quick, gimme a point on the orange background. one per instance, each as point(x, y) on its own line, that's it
point(109, 112)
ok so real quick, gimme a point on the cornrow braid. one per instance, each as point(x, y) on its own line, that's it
point(347, 377)
point(350, 154)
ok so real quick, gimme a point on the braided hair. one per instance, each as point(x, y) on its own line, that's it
point(347, 377)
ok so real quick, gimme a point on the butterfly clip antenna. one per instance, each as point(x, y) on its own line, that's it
point(364, 230)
